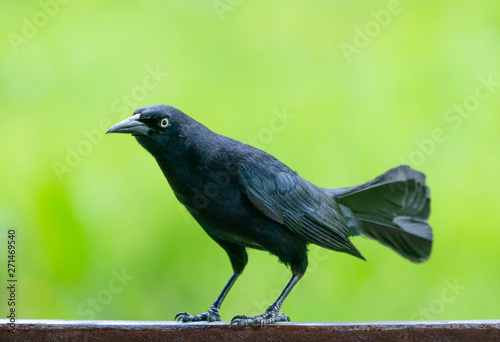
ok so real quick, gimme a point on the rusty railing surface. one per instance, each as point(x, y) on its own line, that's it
point(63, 330)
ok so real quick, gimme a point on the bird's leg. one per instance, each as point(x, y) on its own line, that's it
point(272, 314)
point(213, 313)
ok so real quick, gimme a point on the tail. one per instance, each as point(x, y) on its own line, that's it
point(392, 209)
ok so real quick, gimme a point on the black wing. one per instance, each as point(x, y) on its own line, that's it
point(282, 195)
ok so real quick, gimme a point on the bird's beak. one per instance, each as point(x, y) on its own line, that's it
point(131, 126)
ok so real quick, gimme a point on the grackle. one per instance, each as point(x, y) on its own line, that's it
point(245, 198)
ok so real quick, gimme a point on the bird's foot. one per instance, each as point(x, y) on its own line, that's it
point(270, 316)
point(211, 315)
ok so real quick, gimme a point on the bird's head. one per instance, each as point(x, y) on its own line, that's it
point(160, 129)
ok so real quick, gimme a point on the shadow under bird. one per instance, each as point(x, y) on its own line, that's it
point(245, 198)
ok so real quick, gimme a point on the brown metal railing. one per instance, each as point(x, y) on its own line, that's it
point(62, 330)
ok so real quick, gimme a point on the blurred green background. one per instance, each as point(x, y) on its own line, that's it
point(366, 86)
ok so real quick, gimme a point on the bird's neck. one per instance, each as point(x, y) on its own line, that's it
point(184, 166)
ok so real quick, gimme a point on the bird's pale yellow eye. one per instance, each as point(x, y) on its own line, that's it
point(164, 123)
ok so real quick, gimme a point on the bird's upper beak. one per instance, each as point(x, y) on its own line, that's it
point(131, 126)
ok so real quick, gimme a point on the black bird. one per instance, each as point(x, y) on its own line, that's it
point(245, 198)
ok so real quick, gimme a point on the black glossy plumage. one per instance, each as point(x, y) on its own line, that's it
point(392, 209)
point(245, 198)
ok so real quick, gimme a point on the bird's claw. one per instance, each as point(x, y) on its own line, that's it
point(211, 315)
point(267, 317)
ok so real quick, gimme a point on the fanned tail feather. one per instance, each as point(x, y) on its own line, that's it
point(392, 209)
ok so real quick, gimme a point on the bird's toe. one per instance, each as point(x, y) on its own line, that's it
point(282, 317)
point(266, 318)
point(242, 320)
point(185, 317)
point(211, 315)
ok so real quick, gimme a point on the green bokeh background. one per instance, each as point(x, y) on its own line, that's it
point(354, 117)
